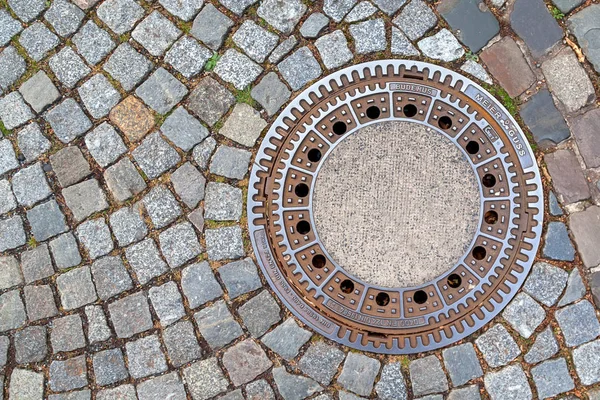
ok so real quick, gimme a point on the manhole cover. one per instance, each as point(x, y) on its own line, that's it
point(395, 207)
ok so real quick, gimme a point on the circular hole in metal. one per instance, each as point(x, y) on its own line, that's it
point(488, 180)
point(339, 128)
point(445, 122)
point(382, 299)
point(491, 217)
point(420, 297)
point(347, 286)
point(301, 190)
point(410, 110)
point(314, 155)
point(454, 280)
point(373, 112)
point(473, 147)
point(479, 253)
point(303, 227)
point(319, 261)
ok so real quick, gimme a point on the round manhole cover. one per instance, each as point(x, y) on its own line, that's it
point(395, 207)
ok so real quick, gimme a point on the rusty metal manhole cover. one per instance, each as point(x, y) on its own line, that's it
point(395, 207)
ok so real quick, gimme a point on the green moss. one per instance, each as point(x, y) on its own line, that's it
point(508, 102)
point(244, 96)
point(212, 62)
point(471, 56)
point(556, 13)
point(124, 37)
point(5, 132)
point(32, 243)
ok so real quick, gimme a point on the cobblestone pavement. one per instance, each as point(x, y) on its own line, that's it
point(128, 128)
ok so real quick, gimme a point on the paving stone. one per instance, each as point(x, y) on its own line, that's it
point(46, 220)
point(68, 67)
point(155, 155)
point(401, 45)
point(189, 184)
point(552, 378)
point(320, 361)
point(32, 142)
point(416, 19)
point(29, 185)
point(133, 118)
point(497, 346)
point(7, 199)
point(361, 11)
point(337, 9)
point(587, 362)
point(300, 68)
point(197, 219)
point(255, 41)
point(462, 364)
point(544, 121)
point(313, 25)
point(37, 40)
point(161, 206)
point(524, 314)
point(557, 244)
point(505, 61)
point(389, 6)
point(12, 67)
point(282, 15)
point(10, 27)
point(244, 125)
point(568, 80)
point(259, 390)
point(188, 56)
point(575, 289)
point(237, 6)
point(109, 367)
point(70, 166)
point(199, 284)
point(181, 343)
point(245, 361)
point(39, 301)
point(120, 15)
point(30, 345)
point(128, 226)
point(123, 180)
point(230, 162)
point(205, 379)
point(237, 69)
point(13, 110)
point(145, 260)
point(64, 17)
point(68, 120)
point(584, 128)
point(427, 376)
point(474, 68)
point(105, 144)
point(465, 393)
point(183, 130)
point(567, 177)
point(39, 91)
point(294, 387)
point(36, 264)
point(283, 49)
point(145, 357)
point(349, 396)
point(76, 288)
point(99, 96)
point(85, 394)
point(168, 386)
point(210, 100)
point(334, 50)
point(8, 160)
point(111, 277)
point(224, 243)
point(594, 280)
point(97, 327)
point(179, 244)
point(185, 10)
point(441, 46)
point(12, 234)
point(127, 66)
point(578, 323)
point(473, 22)
point(130, 315)
point(93, 43)
point(584, 25)
point(391, 385)
point(123, 392)
point(161, 91)
point(12, 311)
point(156, 33)
point(203, 151)
point(541, 36)
point(223, 202)
point(546, 283)
point(68, 375)
point(271, 93)
point(287, 339)
point(240, 277)
point(217, 326)
point(66, 333)
point(95, 237)
point(567, 5)
point(508, 383)
point(358, 374)
point(10, 274)
point(25, 384)
point(211, 26)
point(369, 36)
point(167, 303)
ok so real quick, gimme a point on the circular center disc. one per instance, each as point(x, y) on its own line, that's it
point(396, 204)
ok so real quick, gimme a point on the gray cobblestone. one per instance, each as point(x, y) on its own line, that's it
point(145, 260)
point(37, 40)
point(211, 26)
point(585, 228)
point(184, 10)
point(369, 36)
point(524, 314)
point(181, 343)
point(244, 125)
point(391, 385)
point(199, 284)
point(69, 165)
point(282, 15)
point(546, 283)
point(46, 220)
point(36, 264)
point(462, 364)
point(300, 68)
point(105, 144)
point(358, 374)
point(161, 91)
point(575, 289)
point(544, 347)
point(217, 326)
point(161, 206)
point(66, 333)
point(230, 162)
point(167, 303)
point(127, 66)
point(14, 112)
point(30, 345)
point(507, 384)
point(465, 393)
point(64, 17)
point(39, 91)
point(337, 9)
point(321, 362)
point(287, 339)
point(205, 379)
point(76, 288)
point(68, 375)
point(30, 185)
point(128, 226)
point(68, 120)
point(130, 315)
point(156, 33)
point(10, 27)
point(39, 301)
point(333, 49)
point(442, 46)
point(271, 93)
point(145, 357)
point(416, 19)
point(12, 234)
point(237, 69)
point(210, 100)
point(68, 67)
point(179, 244)
point(497, 346)
point(587, 362)
point(557, 244)
point(124, 180)
point(7, 199)
point(98, 96)
point(294, 387)
point(283, 49)
point(255, 41)
point(183, 130)
point(203, 151)
point(111, 277)
point(109, 367)
point(123, 392)
point(8, 159)
point(120, 15)
point(223, 202)
point(95, 237)
point(245, 361)
point(32, 142)
point(578, 323)
point(93, 43)
point(240, 277)
point(167, 386)
point(259, 390)
point(189, 184)
point(187, 56)
point(26, 384)
point(12, 67)
point(155, 155)
point(85, 199)
point(97, 327)
point(224, 243)
point(552, 378)
point(12, 311)
point(10, 274)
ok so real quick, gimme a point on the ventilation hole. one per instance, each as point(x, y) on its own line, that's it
point(410, 110)
point(301, 190)
point(347, 286)
point(473, 147)
point(319, 261)
point(488, 180)
point(454, 280)
point(382, 299)
point(479, 253)
point(339, 128)
point(314, 155)
point(491, 217)
point(420, 297)
point(303, 227)
point(445, 122)
point(373, 112)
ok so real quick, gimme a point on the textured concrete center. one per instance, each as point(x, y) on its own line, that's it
point(395, 204)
